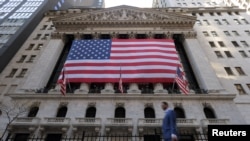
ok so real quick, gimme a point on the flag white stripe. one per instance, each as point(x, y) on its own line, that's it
point(142, 43)
point(148, 67)
point(144, 53)
point(144, 48)
point(124, 61)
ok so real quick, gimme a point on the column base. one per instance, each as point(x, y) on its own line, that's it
point(81, 91)
point(161, 91)
point(107, 91)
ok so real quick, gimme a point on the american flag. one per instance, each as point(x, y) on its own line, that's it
point(63, 83)
point(142, 61)
point(181, 81)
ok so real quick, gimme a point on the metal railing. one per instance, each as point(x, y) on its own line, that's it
point(115, 137)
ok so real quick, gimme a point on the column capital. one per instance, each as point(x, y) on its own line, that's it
point(189, 34)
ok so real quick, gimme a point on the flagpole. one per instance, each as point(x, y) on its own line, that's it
point(67, 81)
point(173, 85)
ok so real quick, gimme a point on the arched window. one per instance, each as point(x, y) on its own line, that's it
point(149, 112)
point(33, 111)
point(179, 112)
point(209, 113)
point(120, 112)
point(62, 111)
point(90, 112)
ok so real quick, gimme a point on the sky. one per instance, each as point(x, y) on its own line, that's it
point(136, 3)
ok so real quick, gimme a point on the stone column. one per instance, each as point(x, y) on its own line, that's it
point(84, 89)
point(133, 89)
point(158, 89)
point(204, 73)
point(109, 89)
point(41, 72)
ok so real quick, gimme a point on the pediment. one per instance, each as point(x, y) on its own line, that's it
point(124, 14)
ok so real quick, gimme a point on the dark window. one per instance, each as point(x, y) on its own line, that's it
point(149, 112)
point(87, 36)
point(209, 113)
point(123, 36)
point(53, 137)
point(221, 43)
point(179, 112)
point(240, 89)
point(105, 36)
point(141, 36)
point(235, 44)
point(21, 137)
point(240, 71)
point(12, 73)
point(62, 111)
point(218, 54)
point(229, 70)
point(120, 112)
point(33, 112)
point(212, 44)
point(228, 54)
point(90, 112)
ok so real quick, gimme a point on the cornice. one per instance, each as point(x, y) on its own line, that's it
point(200, 97)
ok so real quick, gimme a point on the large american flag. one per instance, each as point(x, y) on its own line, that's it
point(181, 81)
point(142, 60)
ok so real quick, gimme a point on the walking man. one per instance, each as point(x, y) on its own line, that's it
point(169, 129)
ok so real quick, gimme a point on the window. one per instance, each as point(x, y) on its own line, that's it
point(228, 71)
point(212, 44)
point(37, 37)
point(201, 14)
point(227, 33)
point(46, 36)
point(149, 112)
point(53, 137)
point(39, 46)
point(205, 33)
point(221, 44)
point(245, 21)
point(237, 21)
point(228, 54)
point(33, 112)
point(218, 13)
point(21, 137)
point(225, 21)
point(198, 22)
point(22, 59)
point(218, 54)
point(179, 112)
point(244, 43)
point(214, 33)
point(247, 32)
point(229, 13)
point(31, 59)
point(22, 73)
point(240, 71)
point(217, 22)
point(62, 111)
point(120, 112)
point(248, 85)
point(90, 112)
point(209, 113)
point(12, 73)
point(30, 47)
point(240, 89)
point(44, 27)
point(206, 21)
point(243, 54)
point(211, 13)
point(235, 33)
point(235, 44)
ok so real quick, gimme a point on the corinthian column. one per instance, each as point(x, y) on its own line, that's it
point(133, 89)
point(109, 89)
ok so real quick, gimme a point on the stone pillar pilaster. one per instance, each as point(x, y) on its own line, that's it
point(133, 89)
point(108, 89)
point(84, 89)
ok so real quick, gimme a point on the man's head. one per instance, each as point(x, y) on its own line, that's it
point(164, 105)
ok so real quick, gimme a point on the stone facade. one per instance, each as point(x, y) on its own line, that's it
point(22, 86)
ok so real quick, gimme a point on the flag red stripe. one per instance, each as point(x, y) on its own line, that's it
point(144, 56)
point(117, 71)
point(138, 51)
point(125, 80)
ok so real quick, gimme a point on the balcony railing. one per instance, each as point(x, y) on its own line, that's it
point(56, 121)
point(206, 122)
point(183, 122)
point(119, 122)
point(26, 121)
point(88, 122)
point(149, 122)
